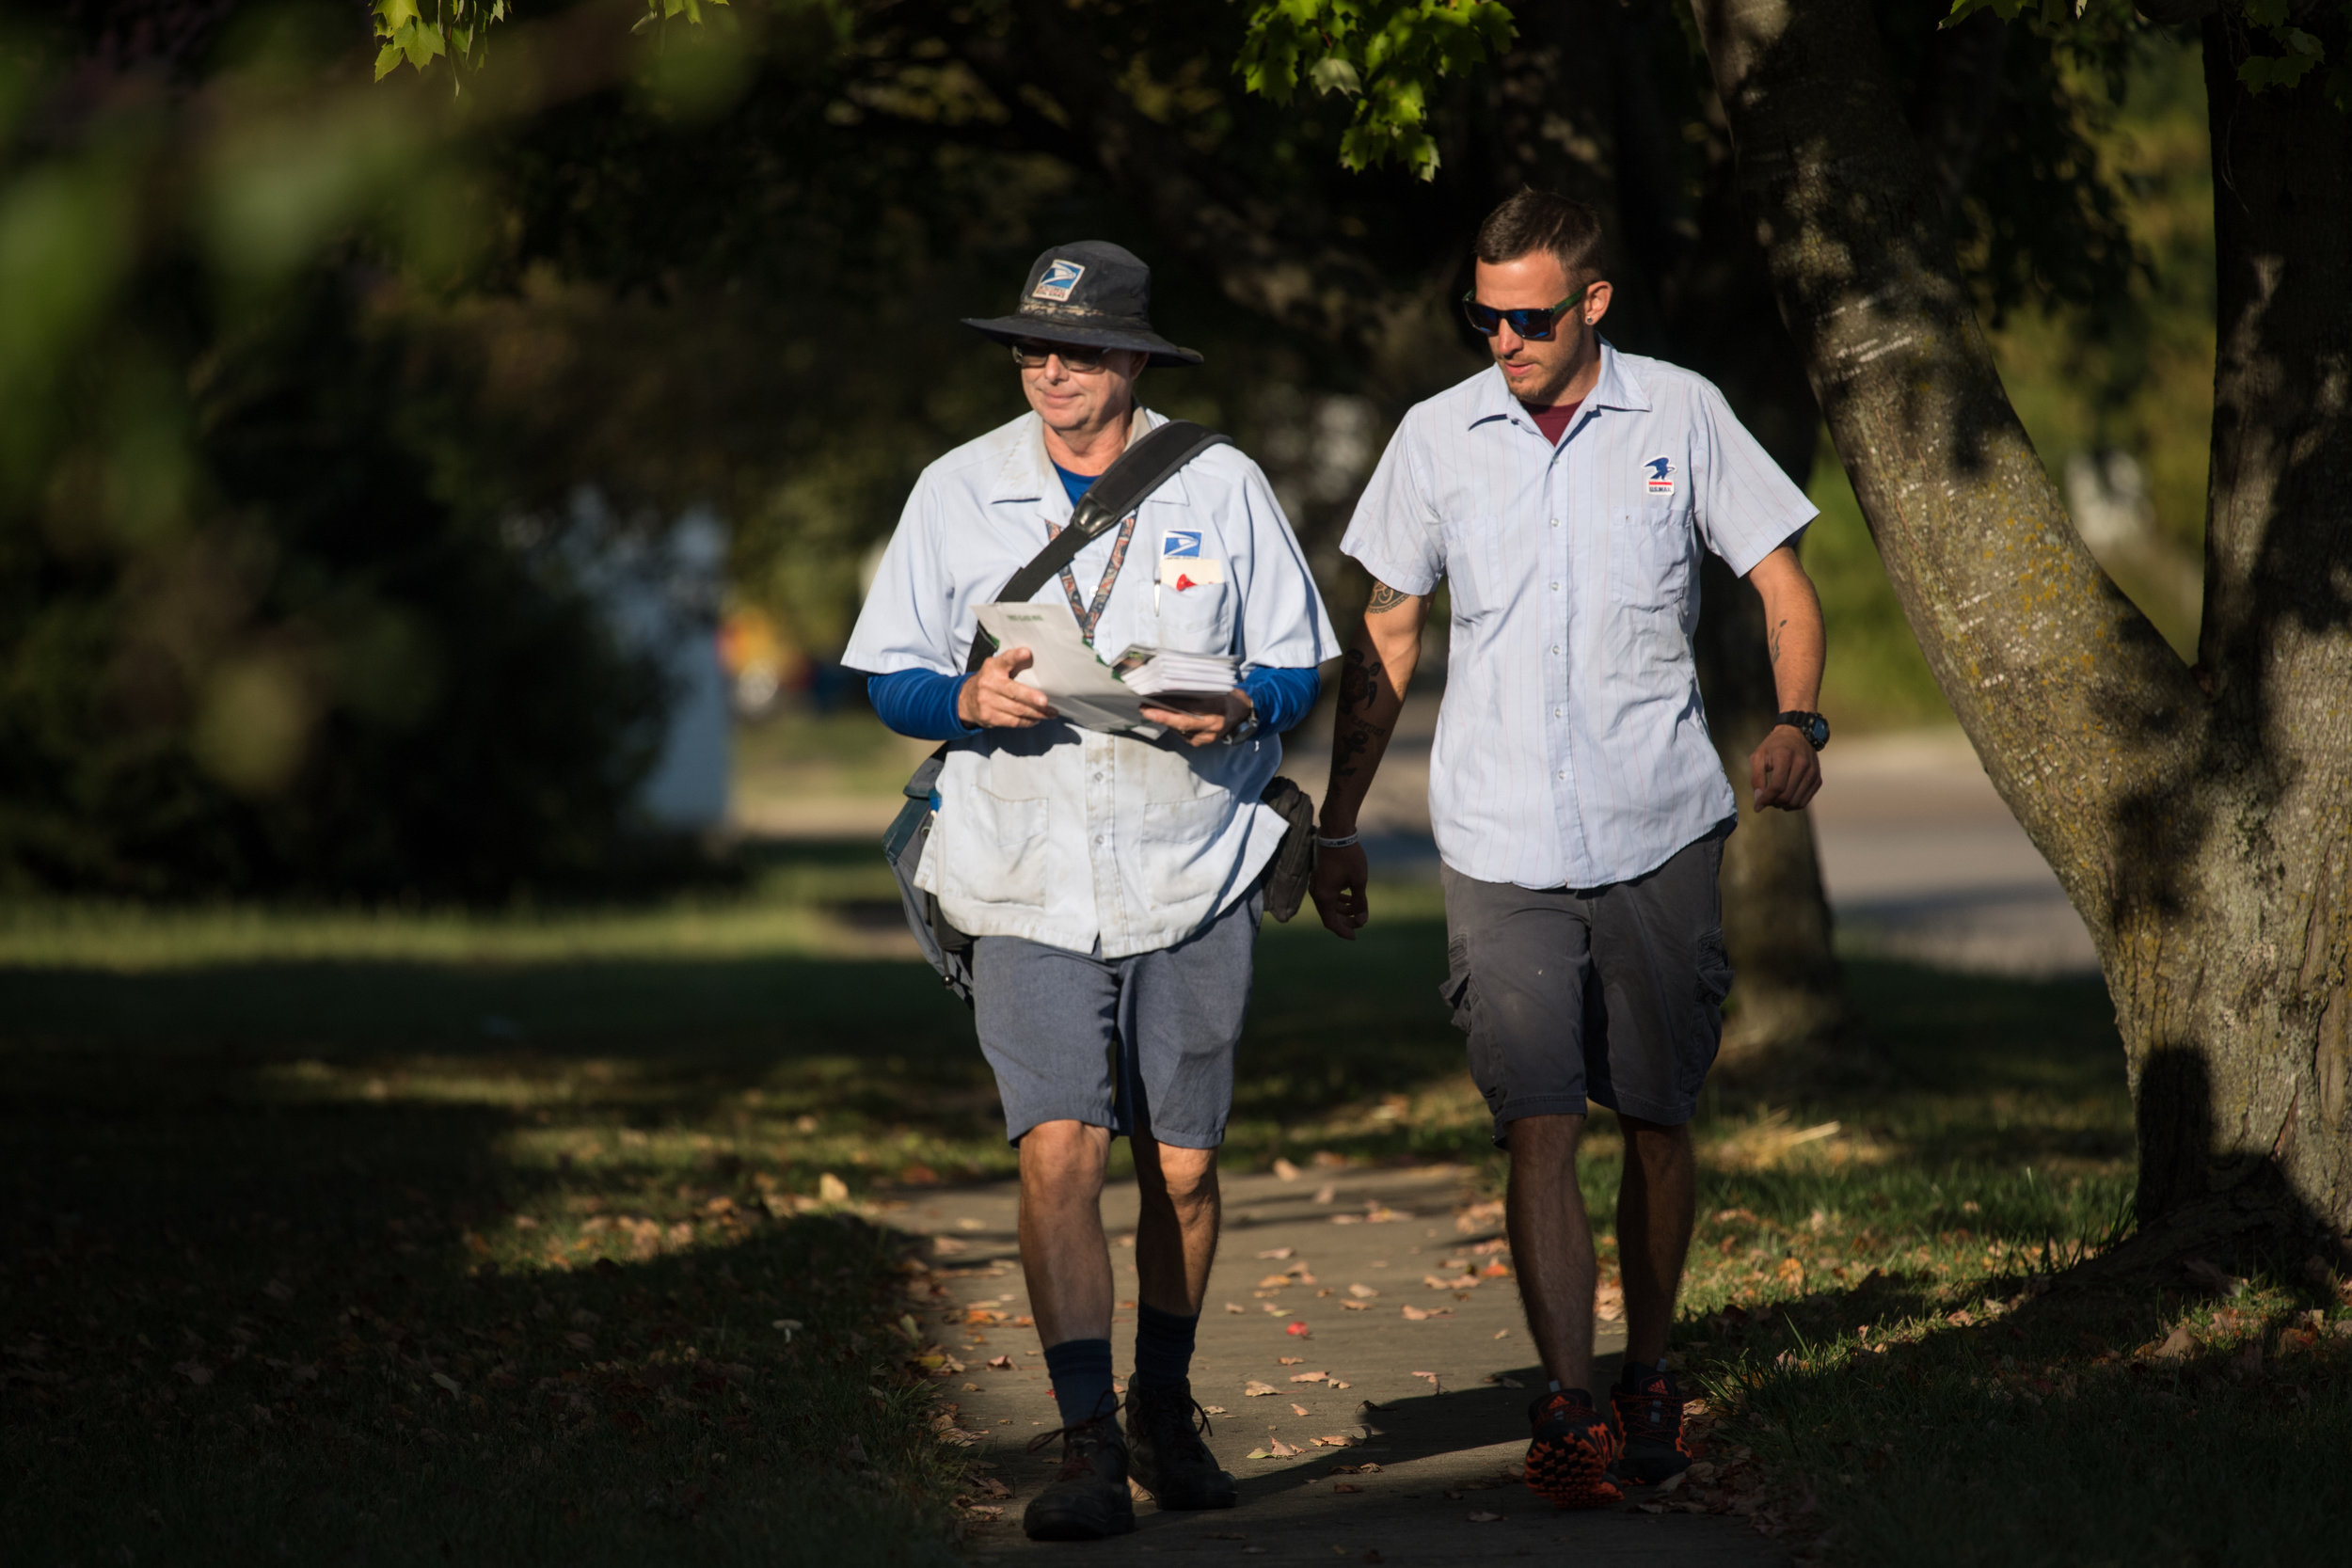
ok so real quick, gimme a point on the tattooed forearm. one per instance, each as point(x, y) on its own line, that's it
point(1383, 597)
point(1772, 643)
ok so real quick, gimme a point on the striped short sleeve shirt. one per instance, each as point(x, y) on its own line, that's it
point(1571, 749)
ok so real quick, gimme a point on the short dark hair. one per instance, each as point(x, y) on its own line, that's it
point(1537, 220)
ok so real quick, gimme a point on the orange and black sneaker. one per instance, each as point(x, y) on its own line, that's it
point(1648, 1406)
point(1567, 1464)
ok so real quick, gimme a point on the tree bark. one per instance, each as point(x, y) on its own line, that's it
point(2200, 821)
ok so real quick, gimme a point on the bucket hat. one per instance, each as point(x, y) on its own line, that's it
point(1090, 295)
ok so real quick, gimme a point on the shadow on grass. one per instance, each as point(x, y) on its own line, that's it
point(240, 1331)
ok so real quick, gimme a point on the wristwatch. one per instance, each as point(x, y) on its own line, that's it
point(1811, 725)
point(1240, 732)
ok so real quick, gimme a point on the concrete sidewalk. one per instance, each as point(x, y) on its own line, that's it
point(1400, 1452)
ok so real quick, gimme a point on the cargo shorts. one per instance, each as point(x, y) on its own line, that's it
point(1611, 995)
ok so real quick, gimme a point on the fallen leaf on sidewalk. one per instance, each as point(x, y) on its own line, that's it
point(1325, 1192)
point(1297, 1409)
point(1254, 1388)
point(1304, 1377)
point(1484, 1518)
point(1274, 1282)
point(1276, 1253)
point(1285, 1171)
point(1293, 1361)
point(1301, 1330)
point(1235, 1307)
point(1345, 1486)
point(1003, 1363)
point(1283, 1450)
point(1213, 1409)
point(1362, 1292)
point(1340, 1383)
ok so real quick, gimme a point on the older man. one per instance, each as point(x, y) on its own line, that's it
point(1110, 882)
point(1563, 493)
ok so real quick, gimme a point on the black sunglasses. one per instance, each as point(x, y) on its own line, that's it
point(1532, 323)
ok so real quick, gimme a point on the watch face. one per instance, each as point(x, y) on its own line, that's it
point(1817, 731)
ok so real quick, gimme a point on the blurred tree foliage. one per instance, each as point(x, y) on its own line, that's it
point(260, 626)
point(724, 262)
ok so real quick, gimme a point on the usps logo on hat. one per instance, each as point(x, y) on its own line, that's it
point(1180, 542)
point(1661, 475)
point(1060, 277)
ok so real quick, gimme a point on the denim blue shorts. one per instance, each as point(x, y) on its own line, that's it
point(1140, 1044)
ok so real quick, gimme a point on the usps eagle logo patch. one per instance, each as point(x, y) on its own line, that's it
point(1060, 277)
point(1183, 543)
point(1662, 475)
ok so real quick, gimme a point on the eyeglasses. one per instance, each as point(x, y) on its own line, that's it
point(1530, 323)
point(1077, 361)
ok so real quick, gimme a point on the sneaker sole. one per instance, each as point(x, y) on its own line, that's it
point(1186, 1501)
point(1075, 1525)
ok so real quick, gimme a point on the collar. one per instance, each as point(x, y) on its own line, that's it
point(1616, 388)
point(1027, 474)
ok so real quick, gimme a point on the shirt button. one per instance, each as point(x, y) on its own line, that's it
point(1555, 647)
point(1098, 838)
point(1563, 773)
point(1555, 522)
point(1555, 713)
point(1555, 588)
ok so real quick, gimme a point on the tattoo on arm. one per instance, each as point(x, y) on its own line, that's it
point(1355, 732)
point(1383, 597)
point(1772, 643)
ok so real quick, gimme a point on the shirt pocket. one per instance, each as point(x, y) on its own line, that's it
point(999, 849)
point(1649, 556)
point(1185, 855)
point(1197, 620)
point(1478, 576)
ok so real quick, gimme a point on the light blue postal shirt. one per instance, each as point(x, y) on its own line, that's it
point(1571, 748)
point(1060, 835)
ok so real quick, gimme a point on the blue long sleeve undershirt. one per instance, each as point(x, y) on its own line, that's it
point(922, 703)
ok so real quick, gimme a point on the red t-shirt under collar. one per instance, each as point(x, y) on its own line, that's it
point(1553, 421)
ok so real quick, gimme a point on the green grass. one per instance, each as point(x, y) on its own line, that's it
point(268, 1172)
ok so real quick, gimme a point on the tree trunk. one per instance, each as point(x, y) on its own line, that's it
point(2200, 822)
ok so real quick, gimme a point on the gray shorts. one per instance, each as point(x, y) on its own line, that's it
point(1145, 1041)
point(1611, 994)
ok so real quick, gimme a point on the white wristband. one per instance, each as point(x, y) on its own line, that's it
point(1322, 843)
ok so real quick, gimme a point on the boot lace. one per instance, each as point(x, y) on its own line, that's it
point(1177, 1423)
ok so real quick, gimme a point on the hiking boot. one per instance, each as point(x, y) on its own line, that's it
point(1165, 1451)
point(1567, 1464)
point(1649, 1404)
point(1086, 1501)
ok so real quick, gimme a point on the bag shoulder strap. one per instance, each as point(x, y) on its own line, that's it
point(1142, 469)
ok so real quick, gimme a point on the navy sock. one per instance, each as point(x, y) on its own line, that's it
point(1081, 1370)
point(1164, 1346)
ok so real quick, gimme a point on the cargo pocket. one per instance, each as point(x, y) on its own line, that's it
point(1456, 989)
point(1714, 967)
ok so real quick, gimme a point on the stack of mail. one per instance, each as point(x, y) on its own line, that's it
point(1160, 672)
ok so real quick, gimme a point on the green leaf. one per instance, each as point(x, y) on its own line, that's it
point(1333, 75)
